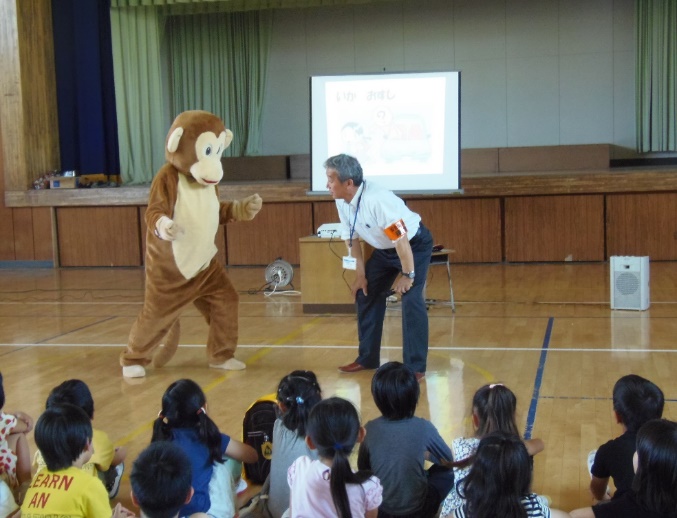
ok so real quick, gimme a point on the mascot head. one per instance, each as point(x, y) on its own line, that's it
point(195, 143)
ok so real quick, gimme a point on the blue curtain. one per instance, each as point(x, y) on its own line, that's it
point(85, 87)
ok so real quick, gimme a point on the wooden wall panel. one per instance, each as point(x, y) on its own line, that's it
point(28, 113)
point(99, 236)
point(6, 234)
point(642, 224)
point(481, 160)
point(43, 244)
point(324, 212)
point(554, 158)
point(554, 228)
point(471, 227)
point(244, 169)
point(273, 233)
point(6, 215)
point(23, 234)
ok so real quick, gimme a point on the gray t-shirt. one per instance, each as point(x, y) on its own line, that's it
point(395, 452)
point(287, 447)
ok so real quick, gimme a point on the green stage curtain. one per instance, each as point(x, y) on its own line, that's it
point(218, 63)
point(656, 75)
point(142, 124)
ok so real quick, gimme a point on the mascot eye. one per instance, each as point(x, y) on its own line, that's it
point(208, 151)
point(218, 151)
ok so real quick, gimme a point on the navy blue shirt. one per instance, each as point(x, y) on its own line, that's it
point(188, 440)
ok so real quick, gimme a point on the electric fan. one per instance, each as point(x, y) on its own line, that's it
point(279, 273)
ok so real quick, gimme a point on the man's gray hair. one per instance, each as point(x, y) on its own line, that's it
point(347, 167)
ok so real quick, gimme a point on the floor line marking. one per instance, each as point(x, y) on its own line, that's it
point(531, 416)
point(280, 344)
point(591, 398)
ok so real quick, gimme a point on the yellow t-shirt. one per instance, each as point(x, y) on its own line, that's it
point(69, 493)
point(104, 451)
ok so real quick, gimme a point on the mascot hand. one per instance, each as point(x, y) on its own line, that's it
point(247, 208)
point(166, 229)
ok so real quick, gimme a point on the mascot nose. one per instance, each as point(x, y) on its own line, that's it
point(207, 171)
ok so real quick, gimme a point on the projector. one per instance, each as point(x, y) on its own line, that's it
point(329, 230)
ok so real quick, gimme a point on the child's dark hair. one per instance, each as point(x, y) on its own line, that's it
point(495, 406)
point(656, 479)
point(2, 393)
point(299, 392)
point(636, 401)
point(161, 479)
point(334, 427)
point(499, 478)
point(395, 391)
point(183, 406)
point(61, 435)
point(73, 392)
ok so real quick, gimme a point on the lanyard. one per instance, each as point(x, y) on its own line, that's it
point(359, 200)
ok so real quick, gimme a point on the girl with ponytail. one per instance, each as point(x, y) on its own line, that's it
point(493, 410)
point(183, 420)
point(328, 487)
point(297, 393)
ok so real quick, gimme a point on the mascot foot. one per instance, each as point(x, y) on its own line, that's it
point(229, 365)
point(133, 371)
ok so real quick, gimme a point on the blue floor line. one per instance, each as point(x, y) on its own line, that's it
point(590, 398)
point(531, 416)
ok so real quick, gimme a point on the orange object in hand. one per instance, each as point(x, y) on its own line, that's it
point(396, 230)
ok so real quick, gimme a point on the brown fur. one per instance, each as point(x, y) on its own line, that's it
point(194, 124)
point(168, 291)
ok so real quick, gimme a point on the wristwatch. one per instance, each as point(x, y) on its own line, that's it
point(410, 274)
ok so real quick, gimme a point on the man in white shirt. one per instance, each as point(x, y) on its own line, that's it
point(402, 250)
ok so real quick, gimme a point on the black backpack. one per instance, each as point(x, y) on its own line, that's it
point(257, 432)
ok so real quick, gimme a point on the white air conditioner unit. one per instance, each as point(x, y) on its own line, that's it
point(629, 282)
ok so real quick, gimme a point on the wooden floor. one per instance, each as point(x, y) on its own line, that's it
point(546, 331)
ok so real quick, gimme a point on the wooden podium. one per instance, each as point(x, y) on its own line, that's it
point(325, 287)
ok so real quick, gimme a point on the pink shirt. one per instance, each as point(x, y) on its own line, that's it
point(311, 496)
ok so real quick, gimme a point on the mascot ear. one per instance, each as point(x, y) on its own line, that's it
point(229, 138)
point(173, 140)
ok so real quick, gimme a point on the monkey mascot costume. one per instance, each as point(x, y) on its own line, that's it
point(183, 216)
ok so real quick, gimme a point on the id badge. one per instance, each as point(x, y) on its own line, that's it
point(349, 262)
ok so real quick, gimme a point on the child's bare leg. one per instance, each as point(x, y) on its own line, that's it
point(19, 445)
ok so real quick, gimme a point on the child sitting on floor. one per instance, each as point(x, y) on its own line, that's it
point(636, 400)
point(654, 489)
point(160, 481)
point(183, 420)
point(64, 436)
point(297, 394)
point(15, 457)
point(494, 408)
point(499, 482)
point(397, 445)
point(107, 461)
point(328, 487)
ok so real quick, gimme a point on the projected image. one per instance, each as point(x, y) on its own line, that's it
point(388, 126)
point(402, 127)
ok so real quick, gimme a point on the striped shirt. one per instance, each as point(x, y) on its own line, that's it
point(535, 506)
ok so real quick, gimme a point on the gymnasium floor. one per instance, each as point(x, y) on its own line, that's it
point(545, 330)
